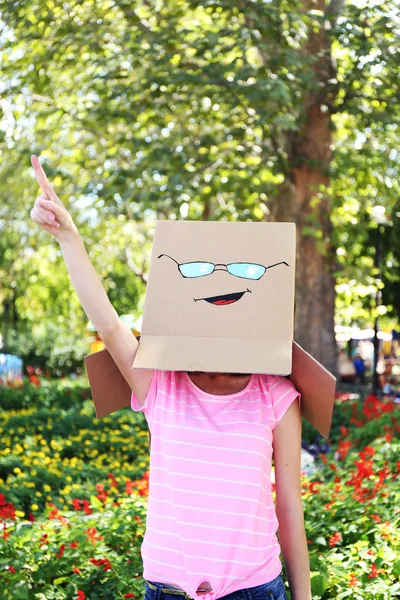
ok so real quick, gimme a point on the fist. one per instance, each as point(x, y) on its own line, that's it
point(48, 210)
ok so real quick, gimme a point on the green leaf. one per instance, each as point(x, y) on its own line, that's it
point(60, 580)
point(321, 540)
point(396, 567)
point(94, 501)
point(319, 584)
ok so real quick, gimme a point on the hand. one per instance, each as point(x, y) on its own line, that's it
point(48, 209)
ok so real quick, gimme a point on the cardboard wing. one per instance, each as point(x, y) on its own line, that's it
point(110, 391)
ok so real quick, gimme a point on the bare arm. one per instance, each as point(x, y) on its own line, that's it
point(117, 337)
point(289, 508)
point(51, 214)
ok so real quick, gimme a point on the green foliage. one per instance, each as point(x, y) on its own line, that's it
point(54, 449)
point(184, 109)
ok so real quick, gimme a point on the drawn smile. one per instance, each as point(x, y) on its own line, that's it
point(223, 300)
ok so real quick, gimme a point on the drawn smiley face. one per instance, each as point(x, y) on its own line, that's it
point(243, 270)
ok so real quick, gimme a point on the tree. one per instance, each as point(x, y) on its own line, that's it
point(245, 110)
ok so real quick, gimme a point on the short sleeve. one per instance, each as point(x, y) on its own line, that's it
point(283, 393)
point(146, 406)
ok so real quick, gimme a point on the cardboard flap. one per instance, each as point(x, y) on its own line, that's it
point(110, 391)
point(317, 386)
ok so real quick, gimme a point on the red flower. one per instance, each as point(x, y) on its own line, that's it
point(73, 545)
point(130, 595)
point(314, 487)
point(113, 480)
point(7, 510)
point(76, 503)
point(10, 568)
point(97, 562)
point(101, 494)
point(35, 380)
point(376, 518)
point(81, 595)
point(353, 580)
point(60, 553)
point(76, 570)
point(368, 451)
point(334, 539)
point(92, 535)
point(344, 448)
point(86, 507)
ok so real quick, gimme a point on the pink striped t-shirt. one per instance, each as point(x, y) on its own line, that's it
point(211, 516)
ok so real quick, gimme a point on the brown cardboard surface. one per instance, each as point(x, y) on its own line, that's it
point(317, 386)
point(219, 321)
point(110, 391)
point(211, 353)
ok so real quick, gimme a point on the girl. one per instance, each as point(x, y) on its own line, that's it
point(211, 521)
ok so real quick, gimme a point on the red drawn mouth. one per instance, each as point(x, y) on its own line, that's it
point(224, 299)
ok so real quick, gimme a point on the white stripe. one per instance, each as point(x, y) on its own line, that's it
point(241, 530)
point(206, 477)
point(212, 510)
point(154, 577)
point(229, 412)
point(250, 436)
point(202, 401)
point(277, 383)
point(282, 397)
point(200, 572)
point(203, 541)
point(211, 558)
point(202, 446)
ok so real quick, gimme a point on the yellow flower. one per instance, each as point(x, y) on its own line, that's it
point(17, 470)
point(46, 488)
point(19, 513)
point(34, 507)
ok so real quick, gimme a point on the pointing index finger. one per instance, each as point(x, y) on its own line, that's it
point(41, 178)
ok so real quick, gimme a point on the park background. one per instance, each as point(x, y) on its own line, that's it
point(248, 110)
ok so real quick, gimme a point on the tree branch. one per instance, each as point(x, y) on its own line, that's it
point(133, 17)
point(333, 10)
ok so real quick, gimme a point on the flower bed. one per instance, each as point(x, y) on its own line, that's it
point(74, 495)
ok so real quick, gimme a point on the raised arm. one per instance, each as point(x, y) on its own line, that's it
point(50, 213)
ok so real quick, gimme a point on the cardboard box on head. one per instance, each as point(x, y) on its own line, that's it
point(220, 297)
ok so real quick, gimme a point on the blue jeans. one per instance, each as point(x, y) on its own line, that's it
point(273, 590)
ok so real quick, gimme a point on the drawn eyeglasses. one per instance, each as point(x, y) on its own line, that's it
point(238, 269)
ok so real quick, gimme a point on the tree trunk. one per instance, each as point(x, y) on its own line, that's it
point(304, 199)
